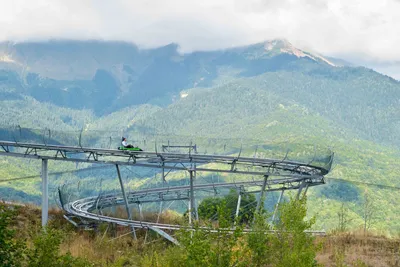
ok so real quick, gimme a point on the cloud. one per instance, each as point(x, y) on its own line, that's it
point(330, 27)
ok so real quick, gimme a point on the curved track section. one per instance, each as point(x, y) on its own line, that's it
point(91, 208)
point(165, 160)
point(278, 175)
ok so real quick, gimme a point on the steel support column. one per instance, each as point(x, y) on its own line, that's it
point(195, 202)
point(277, 205)
point(238, 205)
point(126, 200)
point(261, 194)
point(305, 191)
point(190, 210)
point(160, 211)
point(303, 184)
point(140, 211)
point(163, 174)
point(45, 193)
point(192, 207)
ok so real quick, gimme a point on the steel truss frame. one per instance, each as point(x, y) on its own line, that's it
point(164, 160)
point(278, 174)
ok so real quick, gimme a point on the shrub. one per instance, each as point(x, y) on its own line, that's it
point(11, 250)
point(46, 251)
point(287, 245)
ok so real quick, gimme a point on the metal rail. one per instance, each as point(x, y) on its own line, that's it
point(262, 166)
point(85, 207)
point(282, 175)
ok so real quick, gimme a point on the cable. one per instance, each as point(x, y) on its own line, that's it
point(365, 183)
point(52, 173)
point(20, 178)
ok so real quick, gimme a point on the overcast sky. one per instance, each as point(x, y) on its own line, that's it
point(332, 27)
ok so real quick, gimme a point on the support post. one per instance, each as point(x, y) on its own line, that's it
point(190, 210)
point(126, 200)
point(140, 211)
point(303, 184)
point(192, 207)
point(160, 211)
point(196, 214)
point(277, 205)
point(261, 194)
point(305, 191)
point(238, 205)
point(163, 174)
point(45, 193)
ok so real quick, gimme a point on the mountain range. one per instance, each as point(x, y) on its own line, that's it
point(271, 91)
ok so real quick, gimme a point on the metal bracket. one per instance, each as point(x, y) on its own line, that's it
point(62, 153)
point(233, 164)
point(5, 148)
point(28, 151)
point(94, 155)
point(133, 158)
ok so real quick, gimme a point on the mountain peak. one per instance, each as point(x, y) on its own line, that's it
point(283, 46)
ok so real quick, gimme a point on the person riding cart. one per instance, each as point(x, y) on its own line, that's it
point(126, 146)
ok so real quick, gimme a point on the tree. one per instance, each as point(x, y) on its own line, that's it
point(259, 242)
point(211, 246)
point(221, 245)
point(343, 218)
point(291, 244)
point(368, 211)
point(208, 207)
point(46, 251)
point(11, 250)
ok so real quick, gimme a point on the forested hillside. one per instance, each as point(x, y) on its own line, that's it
point(270, 92)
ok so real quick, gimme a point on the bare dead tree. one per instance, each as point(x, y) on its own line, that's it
point(344, 219)
point(369, 211)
